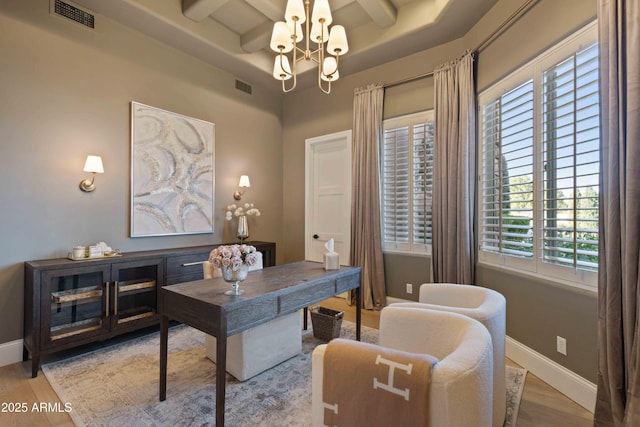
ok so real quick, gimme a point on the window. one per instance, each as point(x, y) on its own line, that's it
point(507, 173)
point(539, 163)
point(407, 173)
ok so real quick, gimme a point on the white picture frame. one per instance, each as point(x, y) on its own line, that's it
point(172, 173)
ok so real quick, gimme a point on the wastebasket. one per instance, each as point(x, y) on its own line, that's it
point(326, 323)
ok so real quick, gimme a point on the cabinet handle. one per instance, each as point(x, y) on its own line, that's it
point(188, 264)
point(115, 299)
point(106, 285)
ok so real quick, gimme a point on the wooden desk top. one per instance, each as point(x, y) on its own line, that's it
point(269, 293)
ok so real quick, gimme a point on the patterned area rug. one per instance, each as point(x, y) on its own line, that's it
point(118, 385)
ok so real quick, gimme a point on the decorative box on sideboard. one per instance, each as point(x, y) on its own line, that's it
point(70, 303)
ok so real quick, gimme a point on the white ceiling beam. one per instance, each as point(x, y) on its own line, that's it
point(382, 12)
point(197, 10)
point(272, 9)
point(258, 38)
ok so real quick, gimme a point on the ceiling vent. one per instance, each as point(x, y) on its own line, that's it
point(72, 12)
point(244, 87)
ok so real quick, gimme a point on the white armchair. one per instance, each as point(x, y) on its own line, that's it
point(486, 306)
point(461, 386)
point(260, 348)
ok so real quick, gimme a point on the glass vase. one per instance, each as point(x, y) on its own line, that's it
point(234, 277)
point(243, 228)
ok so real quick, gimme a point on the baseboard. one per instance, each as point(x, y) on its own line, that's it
point(567, 382)
point(10, 352)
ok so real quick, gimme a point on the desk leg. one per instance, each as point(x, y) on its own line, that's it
point(164, 334)
point(221, 371)
point(358, 311)
point(304, 319)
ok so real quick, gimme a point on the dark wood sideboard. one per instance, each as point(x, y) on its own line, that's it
point(70, 303)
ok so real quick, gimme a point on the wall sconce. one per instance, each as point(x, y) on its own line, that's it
point(244, 183)
point(93, 165)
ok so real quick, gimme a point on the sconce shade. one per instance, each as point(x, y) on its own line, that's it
point(244, 181)
point(93, 164)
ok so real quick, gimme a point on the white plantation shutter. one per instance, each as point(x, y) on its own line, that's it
point(571, 161)
point(507, 173)
point(407, 173)
point(539, 165)
point(395, 200)
point(423, 139)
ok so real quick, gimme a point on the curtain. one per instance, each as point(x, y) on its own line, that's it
point(618, 397)
point(454, 173)
point(366, 227)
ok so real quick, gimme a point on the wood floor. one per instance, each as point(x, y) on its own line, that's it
point(541, 405)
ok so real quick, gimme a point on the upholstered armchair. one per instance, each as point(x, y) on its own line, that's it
point(486, 306)
point(461, 384)
point(259, 348)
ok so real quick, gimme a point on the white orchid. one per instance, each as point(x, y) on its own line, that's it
point(241, 210)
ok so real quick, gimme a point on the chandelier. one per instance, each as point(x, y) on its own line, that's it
point(286, 36)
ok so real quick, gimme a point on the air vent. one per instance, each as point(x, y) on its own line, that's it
point(75, 14)
point(244, 87)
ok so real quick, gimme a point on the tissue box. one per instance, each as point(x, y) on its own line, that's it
point(331, 261)
point(95, 251)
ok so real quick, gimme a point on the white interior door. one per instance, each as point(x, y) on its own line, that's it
point(328, 195)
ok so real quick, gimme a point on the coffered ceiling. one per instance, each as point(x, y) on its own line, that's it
point(234, 34)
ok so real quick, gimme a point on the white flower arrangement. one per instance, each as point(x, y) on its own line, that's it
point(233, 256)
point(241, 210)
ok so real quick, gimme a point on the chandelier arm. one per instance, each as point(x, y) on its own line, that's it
point(293, 73)
point(302, 57)
point(328, 91)
point(285, 90)
point(317, 51)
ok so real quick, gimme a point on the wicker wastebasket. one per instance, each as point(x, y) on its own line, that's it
point(326, 323)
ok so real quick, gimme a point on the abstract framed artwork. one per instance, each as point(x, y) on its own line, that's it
point(172, 173)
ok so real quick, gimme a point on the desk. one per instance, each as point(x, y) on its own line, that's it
point(269, 293)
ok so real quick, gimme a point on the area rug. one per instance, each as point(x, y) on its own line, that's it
point(118, 385)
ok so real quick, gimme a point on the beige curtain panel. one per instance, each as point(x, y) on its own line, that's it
point(366, 227)
point(618, 398)
point(454, 173)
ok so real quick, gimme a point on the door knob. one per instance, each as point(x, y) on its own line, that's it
point(315, 236)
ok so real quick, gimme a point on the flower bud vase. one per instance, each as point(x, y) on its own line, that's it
point(243, 228)
point(234, 277)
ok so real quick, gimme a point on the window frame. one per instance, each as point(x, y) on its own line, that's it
point(534, 70)
point(410, 120)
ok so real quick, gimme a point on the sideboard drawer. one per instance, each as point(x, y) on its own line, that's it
point(185, 268)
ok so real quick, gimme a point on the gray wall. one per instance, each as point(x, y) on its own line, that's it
point(66, 93)
point(538, 311)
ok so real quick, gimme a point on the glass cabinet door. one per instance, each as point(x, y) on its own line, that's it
point(74, 303)
point(135, 290)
